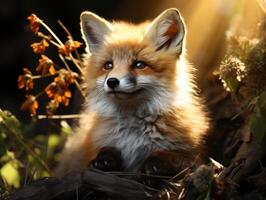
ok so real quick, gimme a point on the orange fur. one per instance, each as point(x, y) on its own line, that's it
point(155, 108)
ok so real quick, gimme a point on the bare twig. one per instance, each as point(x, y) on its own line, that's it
point(76, 64)
point(44, 76)
point(68, 68)
point(180, 173)
point(39, 94)
point(73, 116)
point(51, 32)
point(76, 52)
point(49, 38)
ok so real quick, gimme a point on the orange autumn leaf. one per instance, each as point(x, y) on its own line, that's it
point(30, 104)
point(52, 89)
point(46, 66)
point(40, 47)
point(65, 77)
point(58, 93)
point(58, 90)
point(25, 80)
point(64, 98)
point(34, 23)
point(69, 46)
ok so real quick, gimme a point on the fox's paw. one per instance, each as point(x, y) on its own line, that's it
point(164, 163)
point(108, 159)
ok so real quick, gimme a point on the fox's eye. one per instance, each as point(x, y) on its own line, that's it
point(108, 66)
point(139, 64)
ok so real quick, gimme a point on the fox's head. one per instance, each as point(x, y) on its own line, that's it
point(133, 67)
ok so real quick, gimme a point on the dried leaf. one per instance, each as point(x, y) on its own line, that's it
point(58, 93)
point(40, 47)
point(31, 104)
point(25, 80)
point(46, 66)
point(69, 46)
point(34, 23)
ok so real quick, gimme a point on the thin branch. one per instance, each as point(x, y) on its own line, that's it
point(139, 174)
point(76, 52)
point(180, 173)
point(51, 32)
point(68, 68)
point(40, 94)
point(60, 56)
point(76, 64)
point(44, 76)
point(49, 38)
point(65, 29)
point(42, 35)
point(73, 116)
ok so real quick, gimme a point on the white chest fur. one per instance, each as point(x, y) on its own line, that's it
point(136, 138)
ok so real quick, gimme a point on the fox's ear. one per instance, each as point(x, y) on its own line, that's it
point(167, 31)
point(93, 29)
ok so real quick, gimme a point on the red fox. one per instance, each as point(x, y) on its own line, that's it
point(142, 104)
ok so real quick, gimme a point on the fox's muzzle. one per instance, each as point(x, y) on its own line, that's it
point(127, 83)
point(112, 83)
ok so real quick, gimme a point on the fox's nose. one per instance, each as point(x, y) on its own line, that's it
point(112, 83)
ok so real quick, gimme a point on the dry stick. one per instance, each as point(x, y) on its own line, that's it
point(27, 147)
point(60, 56)
point(76, 52)
point(138, 174)
point(39, 94)
point(57, 45)
point(76, 64)
point(79, 58)
point(73, 116)
point(51, 32)
point(181, 172)
point(181, 194)
point(74, 60)
point(58, 40)
point(184, 170)
point(40, 34)
point(65, 29)
point(71, 37)
point(75, 81)
point(44, 76)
